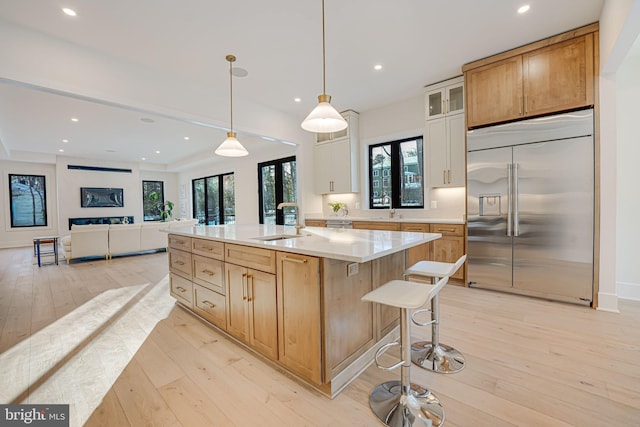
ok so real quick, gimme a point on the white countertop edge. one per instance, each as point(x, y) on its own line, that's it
point(319, 243)
point(399, 220)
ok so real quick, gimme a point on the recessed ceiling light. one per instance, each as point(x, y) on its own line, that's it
point(68, 11)
point(377, 67)
point(524, 9)
point(144, 158)
point(73, 119)
point(239, 72)
point(186, 138)
point(297, 100)
point(65, 140)
point(61, 150)
point(157, 151)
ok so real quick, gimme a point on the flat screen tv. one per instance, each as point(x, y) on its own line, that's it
point(101, 197)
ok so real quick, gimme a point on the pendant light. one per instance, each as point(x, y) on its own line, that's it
point(324, 118)
point(231, 147)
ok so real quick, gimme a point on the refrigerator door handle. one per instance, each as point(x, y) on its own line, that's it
point(510, 196)
point(516, 213)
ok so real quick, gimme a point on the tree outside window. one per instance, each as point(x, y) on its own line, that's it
point(152, 198)
point(396, 171)
point(277, 181)
point(214, 199)
point(28, 200)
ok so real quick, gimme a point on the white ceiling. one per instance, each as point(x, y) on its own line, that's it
point(278, 42)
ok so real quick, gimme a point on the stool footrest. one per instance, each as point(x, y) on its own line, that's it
point(383, 350)
point(424, 310)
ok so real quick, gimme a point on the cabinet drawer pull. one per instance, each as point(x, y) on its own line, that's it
point(447, 229)
point(449, 176)
point(444, 176)
point(209, 272)
point(179, 262)
point(180, 242)
point(298, 260)
point(208, 303)
point(181, 289)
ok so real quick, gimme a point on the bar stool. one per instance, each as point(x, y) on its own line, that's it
point(401, 403)
point(435, 356)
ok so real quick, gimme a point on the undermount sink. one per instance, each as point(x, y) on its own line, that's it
point(278, 237)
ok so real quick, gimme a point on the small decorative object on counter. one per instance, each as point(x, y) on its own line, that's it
point(339, 208)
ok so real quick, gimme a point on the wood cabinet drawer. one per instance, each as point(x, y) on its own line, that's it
point(315, 223)
point(180, 263)
point(257, 258)
point(180, 242)
point(208, 248)
point(209, 273)
point(181, 289)
point(376, 225)
point(210, 305)
point(448, 229)
point(417, 227)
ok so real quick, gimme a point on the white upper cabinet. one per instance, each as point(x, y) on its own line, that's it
point(336, 158)
point(445, 98)
point(445, 133)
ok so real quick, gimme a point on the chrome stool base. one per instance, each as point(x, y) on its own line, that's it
point(442, 358)
point(419, 407)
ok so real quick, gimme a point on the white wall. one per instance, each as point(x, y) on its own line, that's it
point(628, 179)
point(23, 236)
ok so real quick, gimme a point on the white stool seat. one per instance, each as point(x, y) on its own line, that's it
point(401, 294)
point(429, 269)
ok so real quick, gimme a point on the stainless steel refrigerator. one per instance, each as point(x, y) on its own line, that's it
point(530, 207)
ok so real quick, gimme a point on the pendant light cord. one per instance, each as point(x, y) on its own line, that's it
point(231, 92)
point(324, 67)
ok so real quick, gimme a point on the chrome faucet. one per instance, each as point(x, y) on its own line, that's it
point(299, 225)
point(391, 210)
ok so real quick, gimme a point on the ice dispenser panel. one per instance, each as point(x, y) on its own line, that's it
point(490, 204)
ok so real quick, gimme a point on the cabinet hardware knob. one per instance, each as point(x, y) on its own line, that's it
point(209, 303)
point(209, 272)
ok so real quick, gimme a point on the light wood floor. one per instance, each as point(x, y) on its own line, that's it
point(105, 337)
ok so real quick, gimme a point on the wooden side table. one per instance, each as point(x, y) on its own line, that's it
point(39, 241)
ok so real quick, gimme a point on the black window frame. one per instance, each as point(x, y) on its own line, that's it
point(43, 201)
point(395, 175)
point(221, 206)
point(279, 187)
point(159, 202)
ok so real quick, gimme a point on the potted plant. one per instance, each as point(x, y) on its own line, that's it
point(338, 207)
point(164, 209)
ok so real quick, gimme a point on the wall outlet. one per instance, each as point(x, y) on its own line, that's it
point(352, 269)
point(357, 205)
point(434, 204)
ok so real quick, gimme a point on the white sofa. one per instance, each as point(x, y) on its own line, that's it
point(117, 239)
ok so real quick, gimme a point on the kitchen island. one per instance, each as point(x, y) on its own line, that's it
point(293, 299)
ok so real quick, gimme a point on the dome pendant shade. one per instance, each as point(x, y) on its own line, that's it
point(324, 118)
point(231, 147)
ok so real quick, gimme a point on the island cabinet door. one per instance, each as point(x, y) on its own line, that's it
point(299, 338)
point(263, 312)
point(237, 316)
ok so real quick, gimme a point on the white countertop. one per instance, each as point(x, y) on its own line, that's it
point(385, 219)
point(347, 245)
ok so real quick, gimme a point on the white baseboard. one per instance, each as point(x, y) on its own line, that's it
point(608, 302)
point(627, 290)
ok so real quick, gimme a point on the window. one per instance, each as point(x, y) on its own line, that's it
point(152, 200)
point(402, 166)
point(28, 197)
point(214, 199)
point(277, 182)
